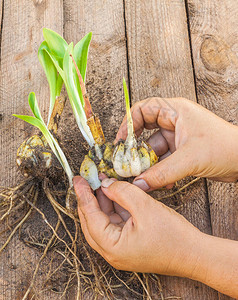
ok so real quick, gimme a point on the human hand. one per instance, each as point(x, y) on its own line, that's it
point(191, 140)
point(134, 232)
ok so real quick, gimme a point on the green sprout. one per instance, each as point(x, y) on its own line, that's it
point(130, 127)
point(60, 54)
point(54, 79)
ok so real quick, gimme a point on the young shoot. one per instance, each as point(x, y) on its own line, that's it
point(131, 141)
point(128, 158)
point(61, 55)
point(54, 79)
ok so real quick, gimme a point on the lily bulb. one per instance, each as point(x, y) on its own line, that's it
point(129, 159)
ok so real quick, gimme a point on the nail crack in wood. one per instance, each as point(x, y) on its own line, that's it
point(209, 211)
point(190, 46)
point(1, 31)
point(127, 52)
point(64, 18)
point(196, 93)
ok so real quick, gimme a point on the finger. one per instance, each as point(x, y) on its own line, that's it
point(165, 155)
point(102, 176)
point(108, 207)
point(79, 185)
point(152, 113)
point(87, 235)
point(158, 143)
point(122, 132)
point(173, 168)
point(116, 219)
point(98, 223)
point(105, 204)
point(170, 186)
point(122, 212)
point(170, 138)
point(126, 195)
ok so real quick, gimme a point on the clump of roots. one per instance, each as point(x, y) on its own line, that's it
point(76, 261)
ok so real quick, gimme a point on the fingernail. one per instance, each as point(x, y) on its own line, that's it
point(76, 179)
point(141, 184)
point(107, 182)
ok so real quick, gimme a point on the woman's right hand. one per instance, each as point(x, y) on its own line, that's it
point(191, 140)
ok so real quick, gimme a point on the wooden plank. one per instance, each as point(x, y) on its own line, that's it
point(214, 37)
point(107, 64)
point(1, 10)
point(160, 65)
point(21, 73)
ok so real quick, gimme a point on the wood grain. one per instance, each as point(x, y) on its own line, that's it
point(1, 10)
point(107, 62)
point(214, 36)
point(107, 65)
point(21, 73)
point(160, 65)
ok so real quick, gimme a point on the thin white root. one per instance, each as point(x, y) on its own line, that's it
point(180, 190)
point(40, 260)
point(21, 222)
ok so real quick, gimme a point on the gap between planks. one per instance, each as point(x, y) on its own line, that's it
point(195, 87)
point(127, 53)
point(1, 19)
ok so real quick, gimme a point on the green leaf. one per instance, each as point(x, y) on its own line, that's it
point(50, 72)
point(59, 52)
point(74, 96)
point(81, 53)
point(130, 128)
point(59, 84)
point(56, 43)
point(34, 106)
point(48, 65)
point(127, 99)
point(70, 77)
point(56, 63)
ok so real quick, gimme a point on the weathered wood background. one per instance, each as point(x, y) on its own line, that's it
point(168, 48)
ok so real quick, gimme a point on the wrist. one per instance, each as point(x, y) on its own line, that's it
point(186, 255)
point(194, 251)
point(236, 161)
point(215, 263)
point(233, 151)
point(200, 258)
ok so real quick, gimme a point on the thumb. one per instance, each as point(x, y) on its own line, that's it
point(93, 220)
point(173, 168)
point(126, 195)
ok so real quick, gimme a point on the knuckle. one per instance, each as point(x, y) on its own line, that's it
point(182, 99)
point(135, 107)
point(90, 242)
point(85, 199)
point(156, 178)
point(119, 186)
point(193, 165)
